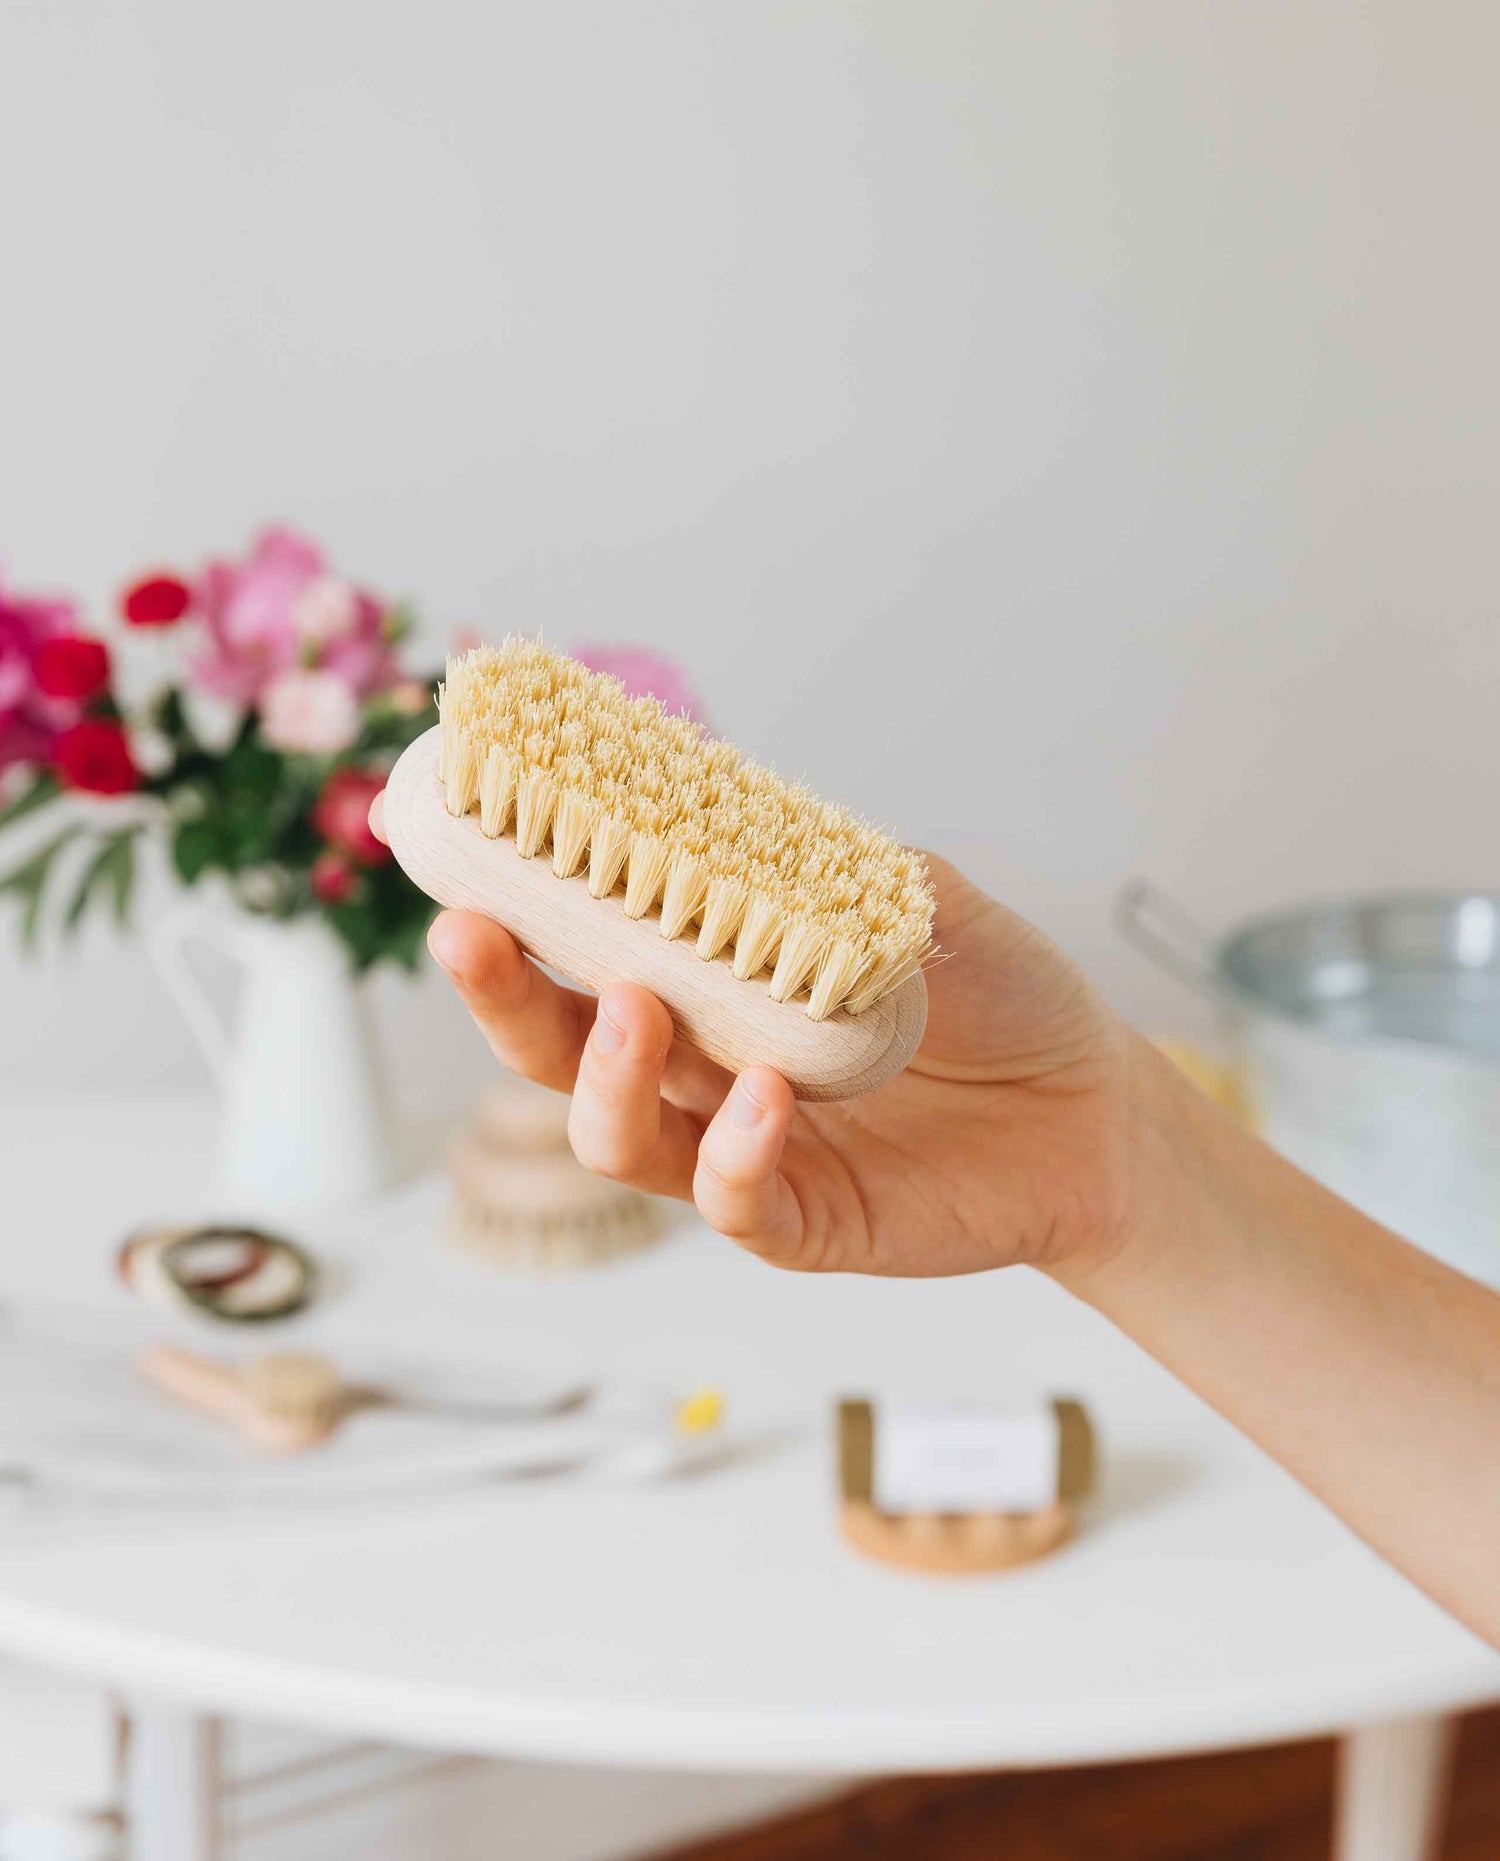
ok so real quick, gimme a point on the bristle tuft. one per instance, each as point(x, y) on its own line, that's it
point(757, 870)
point(572, 821)
point(647, 868)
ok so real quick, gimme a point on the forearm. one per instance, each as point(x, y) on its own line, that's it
point(1366, 1368)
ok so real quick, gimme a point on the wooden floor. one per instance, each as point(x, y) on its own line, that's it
point(1273, 1805)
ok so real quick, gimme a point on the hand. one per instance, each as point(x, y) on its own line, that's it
point(1033, 1126)
point(1005, 1139)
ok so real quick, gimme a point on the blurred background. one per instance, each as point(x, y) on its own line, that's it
point(1067, 433)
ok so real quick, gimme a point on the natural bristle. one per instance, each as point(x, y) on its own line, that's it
point(635, 799)
point(294, 1384)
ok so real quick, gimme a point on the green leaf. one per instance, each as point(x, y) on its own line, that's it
point(113, 865)
point(170, 718)
point(356, 925)
point(28, 882)
point(399, 622)
point(121, 876)
point(252, 770)
point(41, 790)
point(195, 847)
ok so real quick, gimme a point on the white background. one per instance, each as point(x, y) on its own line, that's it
point(1065, 431)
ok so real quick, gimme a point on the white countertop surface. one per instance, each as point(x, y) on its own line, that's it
point(716, 1620)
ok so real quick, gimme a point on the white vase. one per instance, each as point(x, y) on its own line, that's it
point(304, 1123)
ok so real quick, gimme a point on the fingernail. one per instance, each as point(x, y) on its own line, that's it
point(745, 1109)
point(609, 1036)
point(439, 942)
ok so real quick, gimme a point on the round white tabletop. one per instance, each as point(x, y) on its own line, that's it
point(716, 1620)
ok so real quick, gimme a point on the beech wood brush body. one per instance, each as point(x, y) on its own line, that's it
point(284, 1403)
point(619, 842)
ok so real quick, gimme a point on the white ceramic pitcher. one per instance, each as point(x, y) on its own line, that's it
point(304, 1121)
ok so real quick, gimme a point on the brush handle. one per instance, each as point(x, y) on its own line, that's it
point(202, 1383)
point(217, 1389)
point(591, 939)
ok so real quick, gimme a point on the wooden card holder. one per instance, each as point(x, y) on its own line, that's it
point(958, 1544)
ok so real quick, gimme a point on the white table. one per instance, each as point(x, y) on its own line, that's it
point(718, 1621)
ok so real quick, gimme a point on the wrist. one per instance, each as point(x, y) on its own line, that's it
point(1171, 1130)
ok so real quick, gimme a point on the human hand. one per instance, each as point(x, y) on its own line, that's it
point(1006, 1139)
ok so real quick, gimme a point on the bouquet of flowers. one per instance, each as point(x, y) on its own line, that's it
point(248, 716)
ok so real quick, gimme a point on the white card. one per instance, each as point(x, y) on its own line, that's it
point(965, 1460)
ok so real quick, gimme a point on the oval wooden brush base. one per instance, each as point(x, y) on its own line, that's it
point(591, 939)
point(954, 1545)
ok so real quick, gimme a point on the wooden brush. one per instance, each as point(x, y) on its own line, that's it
point(282, 1403)
point(618, 841)
point(521, 1199)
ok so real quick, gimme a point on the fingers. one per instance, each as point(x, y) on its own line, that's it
point(377, 818)
point(737, 1185)
point(619, 1125)
point(534, 1026)
point(630, 1082)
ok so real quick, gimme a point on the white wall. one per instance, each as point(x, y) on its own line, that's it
point(1068, 431)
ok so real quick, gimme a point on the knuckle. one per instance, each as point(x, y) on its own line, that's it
point(719, 1182)
point(608, 1164)
point(725, 1206)
point(610, 1093)
point(734, 1225)
point(605, 1154)
point(497, 985)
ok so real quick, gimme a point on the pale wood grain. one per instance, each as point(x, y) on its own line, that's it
point(556, 921)
point(956, 1544)
point(218, 1390)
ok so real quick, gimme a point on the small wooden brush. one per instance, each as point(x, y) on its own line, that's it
point(282, 1403)
point(618, 841)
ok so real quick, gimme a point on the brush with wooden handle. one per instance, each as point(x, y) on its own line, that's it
point(617, 841)
point(282, 1403)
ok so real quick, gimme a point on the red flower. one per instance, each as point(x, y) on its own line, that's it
point(71, 666)
point(94, 755)
point(156, 601)
point(333, 878)
point(341, 815)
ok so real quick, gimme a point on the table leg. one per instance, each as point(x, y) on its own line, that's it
point(172, 1793)
point(1392, 1796)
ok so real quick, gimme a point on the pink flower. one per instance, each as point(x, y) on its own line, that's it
point(94, 755)
point(158, 600)
point(309, 713)
point(333, 879)
point(410, 698)
point(30, 719)
point(22, 740)
point(326, 610)
point(643, 673)
point(281, 608)
point(341, 815)
point(71, 665)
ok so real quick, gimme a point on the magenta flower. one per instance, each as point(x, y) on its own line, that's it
point(309, 713)
point(644, 673)
point(282, 609)
point(30, 720)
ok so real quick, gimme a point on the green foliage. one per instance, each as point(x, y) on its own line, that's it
point(28, 881)
point(243, 813)
point(194, 849)
point(111, 870)
point(387, 916)
point(41, 789)
point(399, 622)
